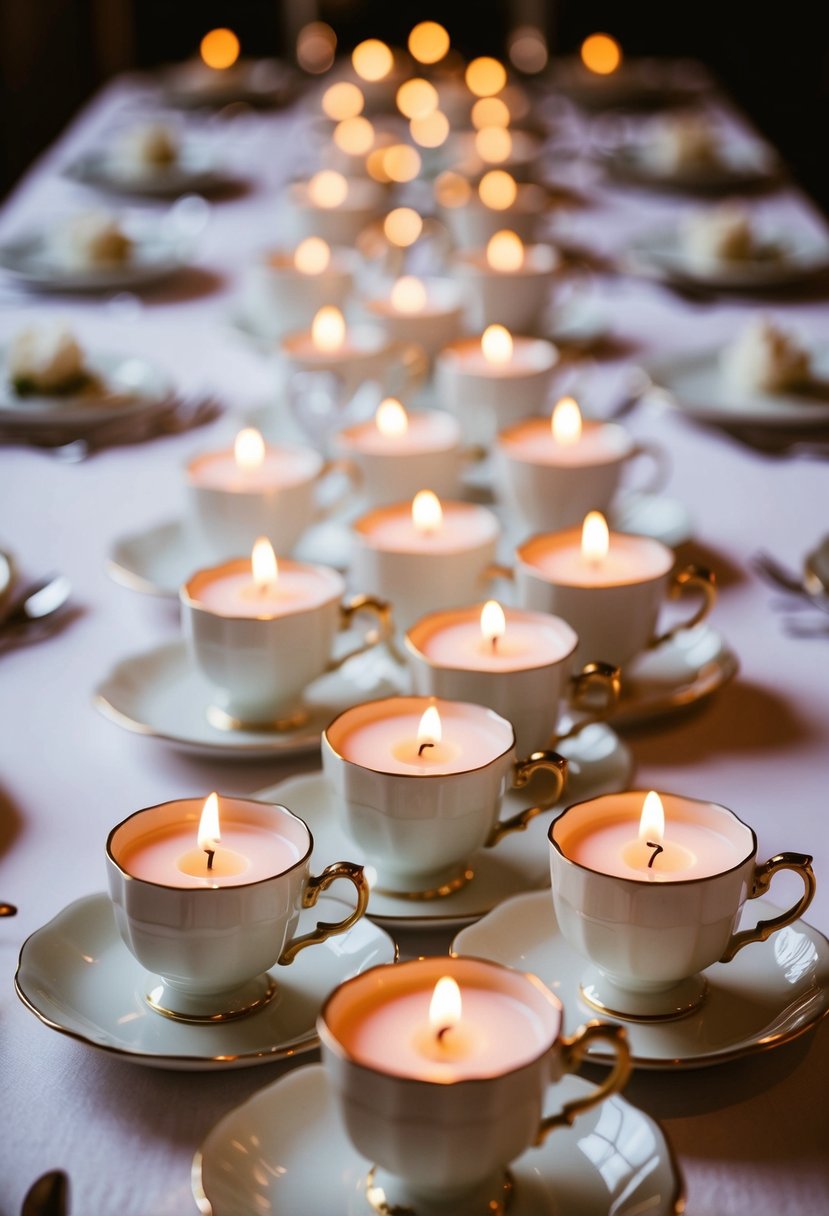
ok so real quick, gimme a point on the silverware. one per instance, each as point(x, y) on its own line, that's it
point(780, 442)
point(36, 601)
point(47, 1196)
point(182, 414)
point(784, 579)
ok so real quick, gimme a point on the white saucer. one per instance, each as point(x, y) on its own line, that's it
point(285, 1152)
point(79, 978)
point(695, 387)
point(123, 386)
point(679, 673)
point(770, 993)
point(160, 694)
point(194, 171)
point(738, 167)
point(599, 763)
point(661, 255)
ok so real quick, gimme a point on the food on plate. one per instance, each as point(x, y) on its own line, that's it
point(725, 233)
point(46, 359)
point(677, 143)
point(149, 147)
point(91, 240)
point(765, 358)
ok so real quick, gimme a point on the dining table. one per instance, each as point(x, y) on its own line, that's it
point(749, 1130)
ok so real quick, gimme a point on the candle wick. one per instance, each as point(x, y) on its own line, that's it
point(211, 853)
point(443, 1030)
point(494, 641)
point(422, 747)
point(659, 849)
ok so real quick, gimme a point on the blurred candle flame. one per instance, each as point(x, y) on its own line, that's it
point(416, 98)
point(430, 131)
point(493, 621)
point(428, 42)
point(493, 144)
point(485, 76)
point(219, 49)
point(497, 344)
point(372, 60)
point(427, 513)
point(408, 295)
point(391, 418)
point(263, 565)
point(490, 112)
point(595, 537)
point(505, 251)
point(601, 54)
point(209, 833)
point(402, 226)
point(566, 422)
point(327, 188)
point(312, 255)
point(248, 449)
point(497, 189)
point(342, 100)
point(430, 729)
point(328, 329)
point(446, 1005)
point(354, 136)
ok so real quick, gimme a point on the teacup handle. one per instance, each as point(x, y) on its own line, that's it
point(354, 479)
point(603, 677)
point(374, 607)
point(573, 1051)
point(414, 365)
point(314, 887)
point(523, 771)
point(697, 578)
point(801, 863)
point(661, 467)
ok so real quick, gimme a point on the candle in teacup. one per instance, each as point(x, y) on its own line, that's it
point(379, 73)
point(284, 288)
point(492, 381)
point(263, 587)
point(332, 206)
point(508, 282)
point(426, 311)
point(399, 451)
point(474, 215)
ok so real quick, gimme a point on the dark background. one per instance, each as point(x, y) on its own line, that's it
point(55, 53)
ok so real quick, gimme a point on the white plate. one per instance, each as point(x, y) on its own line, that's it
point(800, 257)
point(770, 993)
point(738, 167)
point(122, 386)
point(599, 763)
point(158, 252)
point(695, 387)
point(79, 978)
point(681, 672)
point(285, 1152)
point(160, 694)
point(194, 171)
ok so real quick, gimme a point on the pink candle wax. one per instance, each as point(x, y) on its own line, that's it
point(471, 737)
point(529, 640)
point(169, 855)
point(464, 526)
point(538, 260)
point(282, 466)
point(532, 441)
point(426, 432)
point(529, 356)
point(229, 590)
point(630, 559)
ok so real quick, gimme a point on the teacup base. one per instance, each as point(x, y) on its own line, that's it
point(200, 1009)
point(436, 889)
point(222, 720)
point(390, 1196)
point(633, 1005)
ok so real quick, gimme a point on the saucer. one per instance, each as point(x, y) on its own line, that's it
point(159, 693)
point(737, 167)
point(285, 1151)
point(195, 171)
point(682, 671)
point(660, 254)
point(79, 978)
point(599, 763)
point(769, 994)
point(695, 387)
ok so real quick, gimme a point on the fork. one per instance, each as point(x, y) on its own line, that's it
point(781, 577)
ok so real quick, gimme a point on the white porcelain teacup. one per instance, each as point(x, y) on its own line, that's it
point(278, 298)
point(441, 1111)
point(650, 915)
point(418, 811)
point(367, 353)
point(208, 937)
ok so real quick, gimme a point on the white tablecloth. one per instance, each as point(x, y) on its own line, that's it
point(751, 1135)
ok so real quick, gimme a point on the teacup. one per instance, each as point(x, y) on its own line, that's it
point(367, 353)
point(517, 298)
point(419, 809)
point(442, 1109)
point(208, 936)
point(650, 915)
point(259, 651)
point(613, 607)
point(228, 508)
point(337, 222)
point(393, 467)
point(278, 298)
point(523, 674)
point(437, 319)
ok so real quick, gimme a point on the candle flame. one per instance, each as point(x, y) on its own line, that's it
point(219, 49)
point(408, 294)
point(652, 819)
point(428, 42)
point(312, 255)
point(427, 513)
point(342, 100)
point(263, 565)
point(430, 131)
point(493, 621)
point(601, 54)
point(493, 144)
point(497, 190)
point(372, 59)
point(391, 419)
point(485, 76)
point(430, 729)
point(327, 189)
point(401, 163)
point(595, 537)
point(490, 112)
point(452, 190)
point(209, 832)
point(416, 98)
point(402, 226)
point(446, 1006)
point(328, 329)
point(505, 251)
point(566, 422)
point(354, 136)
point(248, 449)
point(497, 344)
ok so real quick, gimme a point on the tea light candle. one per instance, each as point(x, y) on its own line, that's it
point(500, 356)
point(684, 839)
point(565, 439)
point(428, 312)
point(594, 557)
point(332, 206)
point(428, 526)
point(508, 281)
point(262, 588)
point(441, 1030)
point(474, 214)
point(252, 465)
point(176, 845)
point(394, 431)
point(417, 736)
point(491, 638)
point(327, 337)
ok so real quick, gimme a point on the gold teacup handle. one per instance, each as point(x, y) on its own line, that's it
point(499, 570)
point(801, 863)
point(602, 676)
point(355, 480)
point(696, 578)
point(661, 467)
point(524, 770)
point(573, 1051)
point(373, 607)
point(315, 886)
point(474, 453)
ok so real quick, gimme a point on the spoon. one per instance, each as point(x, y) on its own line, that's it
point(780, 576)
point(47, 1196)
point(37, 600)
